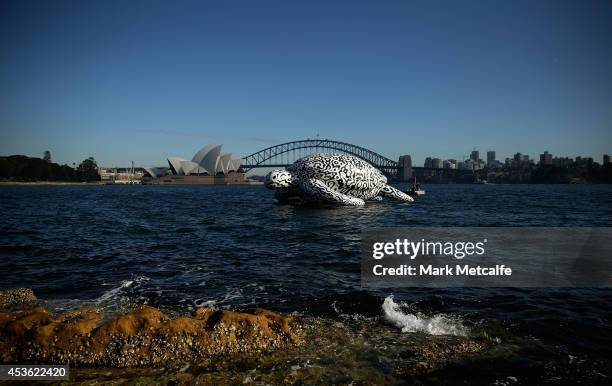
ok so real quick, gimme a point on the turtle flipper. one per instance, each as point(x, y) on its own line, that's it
point(318, 191)
point(390, 191)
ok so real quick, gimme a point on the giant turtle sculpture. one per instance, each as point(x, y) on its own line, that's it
point(331, 178)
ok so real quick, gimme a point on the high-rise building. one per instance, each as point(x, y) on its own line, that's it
point(475, 155)
point(405, 167)
point(606, 159)
point(427, 163)
point(546, 158)
point(449, 164)
point(490, 157)
point(562, 161)
point(468, 164)
point(436, 163)
point(518, 161)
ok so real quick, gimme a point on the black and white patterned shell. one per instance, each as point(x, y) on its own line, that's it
point(341, 172)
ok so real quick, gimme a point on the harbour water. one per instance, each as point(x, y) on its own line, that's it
point(230, 247)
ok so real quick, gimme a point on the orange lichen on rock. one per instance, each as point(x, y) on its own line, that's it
point(16, 297)
point(141, 319)
point(143, 337)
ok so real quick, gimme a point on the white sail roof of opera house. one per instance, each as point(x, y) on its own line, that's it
point(223, 164)
point(190, 167)
point(208, 157)
point(157, 171)
point(175, 164)
point(207, 160)
point(235, 164)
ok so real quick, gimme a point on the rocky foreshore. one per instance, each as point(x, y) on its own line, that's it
point(144, 336)
point(145, 345)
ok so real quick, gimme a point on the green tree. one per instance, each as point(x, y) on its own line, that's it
point(88, 170)
point(22, 168)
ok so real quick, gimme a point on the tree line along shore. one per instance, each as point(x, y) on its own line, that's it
point(23, 169)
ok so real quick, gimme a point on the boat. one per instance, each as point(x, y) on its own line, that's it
point(478, 181)
point(415, 190)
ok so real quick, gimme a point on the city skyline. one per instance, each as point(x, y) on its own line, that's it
point(491, 160)
point(129, 81)
point(518, 159)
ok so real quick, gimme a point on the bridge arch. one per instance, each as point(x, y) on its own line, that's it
point(269, 156)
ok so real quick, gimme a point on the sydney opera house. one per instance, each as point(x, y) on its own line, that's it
point(208, 166)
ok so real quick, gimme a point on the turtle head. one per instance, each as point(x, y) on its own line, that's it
point(277, 179)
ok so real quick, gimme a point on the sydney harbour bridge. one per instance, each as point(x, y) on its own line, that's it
point(285, 154)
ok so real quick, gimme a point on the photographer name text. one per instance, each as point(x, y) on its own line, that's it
point(422, 248)
point(447, 270)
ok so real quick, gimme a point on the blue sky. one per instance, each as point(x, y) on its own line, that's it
point(144, 80)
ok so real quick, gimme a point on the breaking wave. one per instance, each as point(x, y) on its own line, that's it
point(435, 325)
point(119, 292)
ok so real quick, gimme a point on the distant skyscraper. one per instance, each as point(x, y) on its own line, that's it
point(606, 159)
point(436, 163)
point(427, 162)
point(562, 161)
point(517, 160)
point(475, 155)
point(405, 167)
point(490, 157)
point(585, 162)
point(546, 158)
point(449, 164)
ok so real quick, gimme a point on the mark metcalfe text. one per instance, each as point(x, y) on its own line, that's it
point(414, 249)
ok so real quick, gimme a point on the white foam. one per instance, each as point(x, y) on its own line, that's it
point(439, 324)
point(205, 303)
point(347, 316)
point(114, 293)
